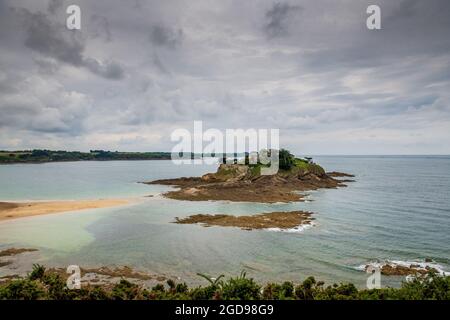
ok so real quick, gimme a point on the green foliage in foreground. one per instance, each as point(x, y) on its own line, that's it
point(42, 284)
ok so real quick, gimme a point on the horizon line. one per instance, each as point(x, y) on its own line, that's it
point(296, 154)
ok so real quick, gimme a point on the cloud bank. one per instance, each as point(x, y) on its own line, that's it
point(136, 71)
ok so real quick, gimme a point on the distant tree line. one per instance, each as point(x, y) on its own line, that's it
point(43, 155)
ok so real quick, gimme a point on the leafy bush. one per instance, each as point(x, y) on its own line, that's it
point(240, 288)
point(274, 291)
point(56, 287)
point(125, 290)
point(23, 289)
point(37, 272)
point(97, 293)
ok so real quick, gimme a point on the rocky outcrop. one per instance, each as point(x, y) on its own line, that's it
point(14, 251)
point(403, 268)
point(398, 270)
point(280, 220)
point(238, 182)
point(336, 174)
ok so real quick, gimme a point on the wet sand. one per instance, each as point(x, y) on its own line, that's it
point(14, 210)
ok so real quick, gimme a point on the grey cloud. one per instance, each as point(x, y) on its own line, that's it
point(48, 39)
point(35, 105)
point(138, 4)
point(100, 27)
point(53, 40)
point(309, 68)
point(54, 6)
point(410, 28)
point(46, 66)
point(26, 116)
point(165, 37)
point(108, 69)
point(276, 18)
point(159, 65)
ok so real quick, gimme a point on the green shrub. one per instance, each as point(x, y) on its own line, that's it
point(271, 291)
point(205, 293)
point(97, 293)
point(23, 289)
point(37, 272)
point(240, 288)
point(125, 290)
point(56, 287)
point(274, 291)
point(41, 284)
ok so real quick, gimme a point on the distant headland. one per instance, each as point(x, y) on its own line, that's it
point(41, 156)
point(45, 155)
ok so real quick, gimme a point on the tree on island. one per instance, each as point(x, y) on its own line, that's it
point(286, 159)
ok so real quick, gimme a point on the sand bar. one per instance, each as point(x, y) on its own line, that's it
point(13, 210)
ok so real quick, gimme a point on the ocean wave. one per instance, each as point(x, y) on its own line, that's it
point(297, 229)
point(418, 265)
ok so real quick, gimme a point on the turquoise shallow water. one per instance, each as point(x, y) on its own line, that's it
point(398, 209)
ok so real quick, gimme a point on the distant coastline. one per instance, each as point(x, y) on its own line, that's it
point(43, 156)
point(36, 156)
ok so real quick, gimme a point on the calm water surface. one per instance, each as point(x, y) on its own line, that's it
point(398, 209)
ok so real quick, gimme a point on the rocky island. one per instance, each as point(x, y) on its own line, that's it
point(244, 182)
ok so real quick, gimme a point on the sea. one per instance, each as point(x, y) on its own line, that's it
point(396, 211)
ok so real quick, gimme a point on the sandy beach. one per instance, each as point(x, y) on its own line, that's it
point(14, 210)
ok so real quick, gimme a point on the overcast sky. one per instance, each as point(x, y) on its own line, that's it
point(139, 69)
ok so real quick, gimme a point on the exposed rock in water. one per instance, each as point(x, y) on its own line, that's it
point(14, 251)
point(281, 220)
point(405, 269)
point(124, 271)
point(238, 182)
point(336, 174)
point(8, 253)
point(5, 263)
